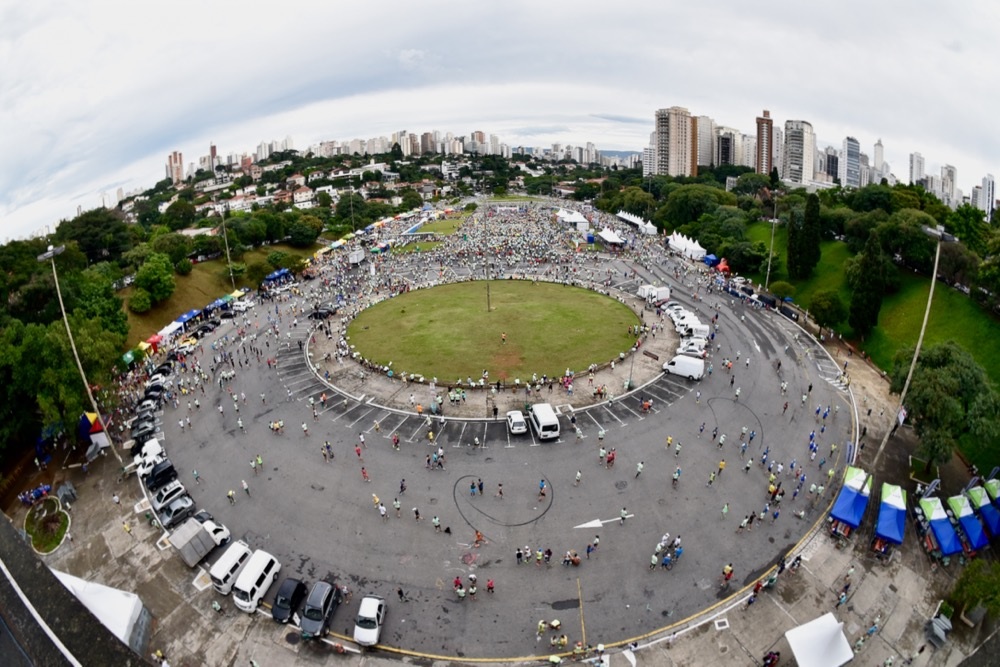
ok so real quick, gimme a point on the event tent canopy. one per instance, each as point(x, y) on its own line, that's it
point(686, 246)
point(973, 529)
point(992, 487)
point(820, 643)
point(853, 499)
point(981, 503)
point(945, 535)
point(170, 329)
point(119, 611)
point(892, 514)
point(609, 236)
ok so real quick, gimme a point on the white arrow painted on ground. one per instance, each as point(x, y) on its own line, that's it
point(597, 523)
point(756, 345)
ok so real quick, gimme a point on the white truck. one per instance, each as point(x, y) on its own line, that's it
point(356, 256)
point(194, 539)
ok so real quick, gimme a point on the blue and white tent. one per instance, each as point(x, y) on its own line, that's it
point(944, 534)
point(853, 499)
point(987, 510)
point(970, 523)
point(892, 514)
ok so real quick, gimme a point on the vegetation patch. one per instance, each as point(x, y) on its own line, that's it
point(46, 524)
point(444, 226)
point(447, 332)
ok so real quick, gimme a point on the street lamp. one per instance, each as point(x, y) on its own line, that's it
point(942, 237)
point(774, 223)
point(50, 255)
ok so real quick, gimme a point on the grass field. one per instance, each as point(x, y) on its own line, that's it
point(446, 332)
point(419, 246)
point(444, 226)
point(207, 282)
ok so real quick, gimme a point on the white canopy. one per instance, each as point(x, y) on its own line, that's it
point(686, 246)
point(820, 643)
point(119, 611)
point(649, 229)
point(168, 330)
point(610, 237)
point(632, 218)
point(570, 217)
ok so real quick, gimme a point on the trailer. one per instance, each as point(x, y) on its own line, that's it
point(195, 539)
point(356, 256)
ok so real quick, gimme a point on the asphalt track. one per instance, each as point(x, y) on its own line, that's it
point(319, 518)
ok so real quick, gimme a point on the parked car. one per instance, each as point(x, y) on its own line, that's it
point(165, 368)
point(691, 350)
point(166, 495)
point(321, 314)
point(368, 623)
point(219, 532)
point(789, 313)
point(287, 601)
point(144, 429)
point(227, 314)
point(323, 600)
point(516, 423)
point(178, 510)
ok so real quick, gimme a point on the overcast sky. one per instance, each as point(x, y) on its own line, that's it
point(94, 95)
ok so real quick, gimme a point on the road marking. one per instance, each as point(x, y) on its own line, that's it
point(597, 523)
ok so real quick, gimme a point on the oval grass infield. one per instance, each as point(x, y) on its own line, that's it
point(446, 331)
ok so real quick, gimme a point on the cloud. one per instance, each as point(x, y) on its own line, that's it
point(100, 92)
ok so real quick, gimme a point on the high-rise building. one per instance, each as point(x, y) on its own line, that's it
point(948, 177)
point(673, 142)
point(175, 167)
point(777, 149)
point(765, 145)
point(706, 141)
point(800, 152)
point(850, 163)
point(988, 197)
point(747, 153)
point(725, 146)
point(976, 196)
point(879, 158)
point(832, 162)
point(916, 168)
point(213, 156)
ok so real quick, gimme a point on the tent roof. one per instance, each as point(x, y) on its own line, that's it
point(853, 498)
point(117, 610)
point(170, 328)
point(820, 643)
point(892, 514)
point(609, 236)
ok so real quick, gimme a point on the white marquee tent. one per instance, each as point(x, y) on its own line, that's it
point(119, 611)
point(820, 643)
point(610, 237)
point(686, 246)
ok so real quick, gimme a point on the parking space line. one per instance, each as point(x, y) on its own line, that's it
point(606, 409)
point(363, 416)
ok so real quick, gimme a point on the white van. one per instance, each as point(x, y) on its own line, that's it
point(689, 321)
point(543, 419)
point(229, 566)
point(260, 573)
point(697, 330)
point(689, 367)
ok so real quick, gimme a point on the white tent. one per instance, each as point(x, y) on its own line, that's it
point(648, 229)
point(820, 643)
point(686, 246)
point(168, 330)
point(570, 217)
point(610, 237)
point(119, 611)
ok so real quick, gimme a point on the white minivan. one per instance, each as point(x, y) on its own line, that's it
point(685, 366)
point(543, 419)
point(254, 581)
point(229, 566)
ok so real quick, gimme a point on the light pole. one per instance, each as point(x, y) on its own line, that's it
point(942, 237)
point(229, 262)
point(50, 255)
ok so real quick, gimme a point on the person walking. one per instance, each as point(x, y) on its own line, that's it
point(579, 476)
point(246, 487)
point(638, 469)
point(115, 499)
point(232, 497)
point(722, 466)
point(197, 477)
point(357, 450)
point(499, 493)
point(253, 466)
point(725, 510)
point(364, 475)
point(711, 479)
point(623, 515)
point(541, 489)
point(383, 512)
point(396, 505)
point(305, 429)
point(479, 483)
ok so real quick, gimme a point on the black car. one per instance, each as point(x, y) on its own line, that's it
point(155, 392)
point(287, 601)
point(145, 415)
point(789, 313)
point(164, 369)
point(227, 314)
point(172, 355)
point(320, 314)
point(321, 603)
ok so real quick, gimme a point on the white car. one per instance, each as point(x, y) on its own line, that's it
point(166, 495)
point(694, 340)
point(515, 422)
point(692, 351)
point(679, 314)
point(368, 624)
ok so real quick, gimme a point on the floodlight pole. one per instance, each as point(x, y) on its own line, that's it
point(50, 255)
point(942, 237)
point(770, 254)
point(486, 259)
point(229, 262)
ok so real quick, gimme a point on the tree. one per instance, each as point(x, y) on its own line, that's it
point(688, 202)
point(179, 215)
point(811, 229)
point(411, 199)
point(95, 298)
point(827, 308)
point(173, 245)
point(978, 584)
point(868, 286)
point(950, 395)
point(101, 234)
point(751, 184)
point(323, 199)
point(303, 232)
point(969, 225)
point(156, 276)
point(782, 289)
point(275, 257)
point(184, 267)
point(257, 271)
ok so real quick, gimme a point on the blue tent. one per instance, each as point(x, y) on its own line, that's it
point(186, 316)
point(892, 514)
point(970, 523)
point(944, 534)
point(987, 510)
point(710, 260)
point(853, 499)
point(275, 275)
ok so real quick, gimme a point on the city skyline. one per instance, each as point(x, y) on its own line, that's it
point(98, 105)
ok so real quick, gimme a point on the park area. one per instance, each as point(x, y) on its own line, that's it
point(447, 331)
